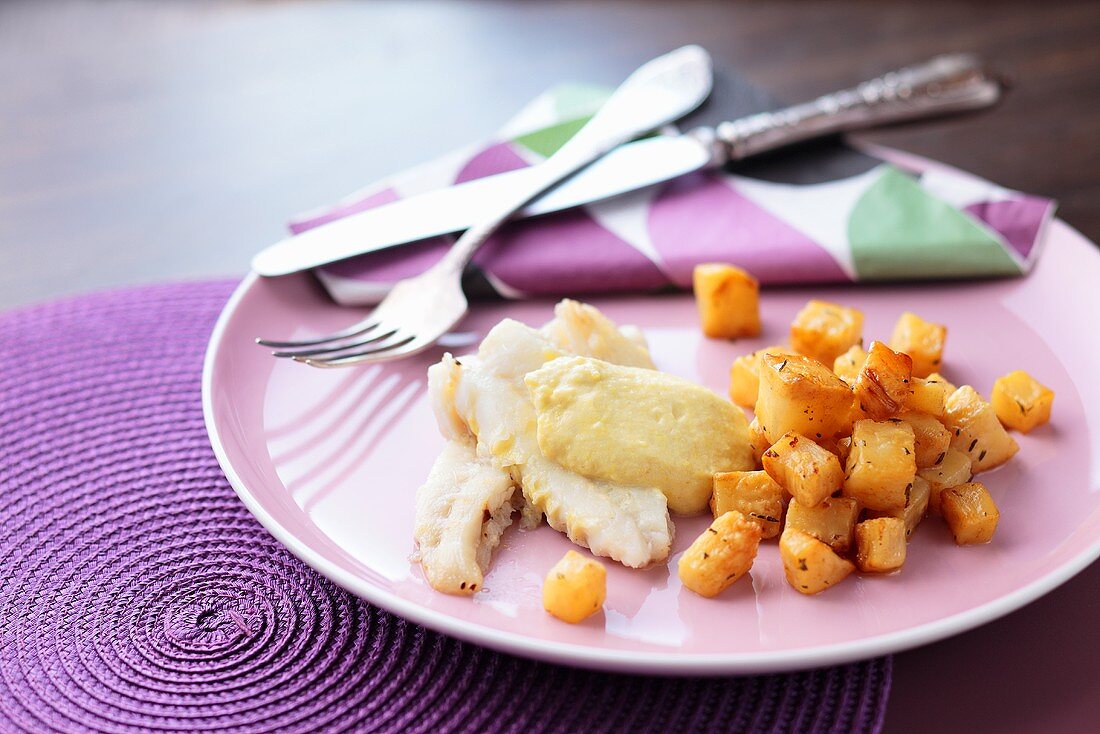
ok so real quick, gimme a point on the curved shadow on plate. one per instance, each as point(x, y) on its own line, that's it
point(401, 398)
point(338, 431)
point(370, 379)
point(320, 406)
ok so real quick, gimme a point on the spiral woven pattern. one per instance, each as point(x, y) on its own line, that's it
point(138, 595)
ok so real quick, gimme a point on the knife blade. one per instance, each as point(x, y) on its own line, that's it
point(443, 211)
point(945, 84)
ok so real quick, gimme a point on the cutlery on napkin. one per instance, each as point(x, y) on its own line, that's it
point(821, 212)
point(945, 84)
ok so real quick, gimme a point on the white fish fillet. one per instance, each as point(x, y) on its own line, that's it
point(580, 329)
point(484, 410)
point(628, 524)
point(461, 512)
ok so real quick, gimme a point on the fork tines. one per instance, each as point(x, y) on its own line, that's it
point(354, 346)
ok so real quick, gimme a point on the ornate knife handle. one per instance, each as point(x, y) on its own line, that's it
point(945, 84)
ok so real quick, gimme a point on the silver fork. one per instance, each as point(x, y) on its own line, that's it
point(419, 310)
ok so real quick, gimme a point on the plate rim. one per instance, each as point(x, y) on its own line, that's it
point(630, 661)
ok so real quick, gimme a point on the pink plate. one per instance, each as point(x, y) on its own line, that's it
point(329, 461)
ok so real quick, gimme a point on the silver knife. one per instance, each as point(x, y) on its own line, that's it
point(945, 84)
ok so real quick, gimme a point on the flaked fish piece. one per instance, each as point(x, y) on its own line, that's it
point(580, 329)
point(530, 516)
point(628, 524)
point(461, 512)
point(441, 396)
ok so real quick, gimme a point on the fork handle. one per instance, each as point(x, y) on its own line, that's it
point(657, 93)
point(944, 84)
point(466, 246)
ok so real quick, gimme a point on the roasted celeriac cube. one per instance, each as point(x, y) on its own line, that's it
point(802, 395)
point(921, 340)
point(931, 437)
point(916, 506)
point(1020, 401)
point(808, 472)
point(745, 376)
point(843, 448)
point(752, 493)
point(936, 377)
point(880, 545)
point(825, 331)
point(758, 440)
point(848, 365)
point(723, 553)
point(881, 464)
point(832, 445)
point(728, 299)
point(575, 588)
point(857, 414)
point(831, 521)
point(949, 470)
point(928, 395)
point(810, 565)
point(976, 430)
point(882, 387)
point(744, 380)
point(970, 513)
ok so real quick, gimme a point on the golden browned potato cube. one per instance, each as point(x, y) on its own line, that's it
point(1021, 401)
point(831, 522)
point(802, 395)
point(931, 437)
point(882, 387)
point(752, 493)
point(976, 430)
point(928, 395)
point(758, 440)
point(970, 513)
point(916, 506)
point(857, 414)
point(744, 380)
point(843, 448)
point(825, 331)
point(808, 472)
point(721, 555)
point(575, 588)
point(848, 365)
point(881, 464)
point(949, 470)
point(832, 445)
point(921, 340)
point(938, 378)
point(880, 545)
point(810, 565)
point(745, 376)
point(728, 299)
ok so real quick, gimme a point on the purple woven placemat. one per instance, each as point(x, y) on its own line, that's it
point(138, 595)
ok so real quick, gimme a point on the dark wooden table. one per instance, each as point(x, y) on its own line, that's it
point(148, 141)
point(141, 142)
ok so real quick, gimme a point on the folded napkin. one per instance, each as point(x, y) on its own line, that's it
point(819, 213)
